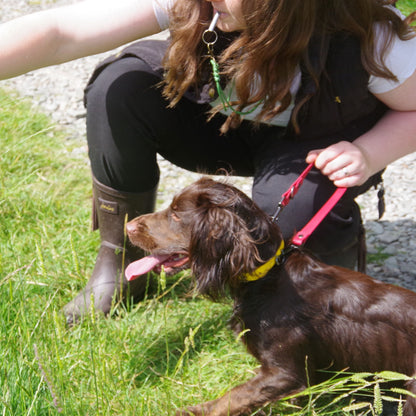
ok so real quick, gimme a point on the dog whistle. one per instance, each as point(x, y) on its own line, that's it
point(214, 21)
point(210, 35)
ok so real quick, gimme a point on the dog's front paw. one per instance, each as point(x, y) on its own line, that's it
point(190, 411)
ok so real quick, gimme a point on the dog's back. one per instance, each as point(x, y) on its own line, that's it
point(307, 315)
point(300, 317)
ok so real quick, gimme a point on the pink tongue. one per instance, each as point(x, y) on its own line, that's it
point(144, 265)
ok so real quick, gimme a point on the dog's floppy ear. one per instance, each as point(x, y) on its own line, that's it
point(222, 248)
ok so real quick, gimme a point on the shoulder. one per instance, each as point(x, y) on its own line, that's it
point(401, 97)
point(400, 59)
point(161, 8)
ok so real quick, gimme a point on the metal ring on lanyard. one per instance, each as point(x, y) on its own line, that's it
point(210, 36)
point(206, 37)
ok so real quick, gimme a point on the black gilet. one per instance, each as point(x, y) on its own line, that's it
point(341, 106)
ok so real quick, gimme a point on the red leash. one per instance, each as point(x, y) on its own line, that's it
point(292, 191)
point(301, 236)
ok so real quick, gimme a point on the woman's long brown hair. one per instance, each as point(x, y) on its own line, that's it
point(273, 44)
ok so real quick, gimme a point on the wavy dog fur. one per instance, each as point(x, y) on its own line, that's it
point(302, 316)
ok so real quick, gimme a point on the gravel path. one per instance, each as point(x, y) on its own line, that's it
point(57, 91)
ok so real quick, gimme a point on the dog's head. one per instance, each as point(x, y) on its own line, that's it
point(217, 228)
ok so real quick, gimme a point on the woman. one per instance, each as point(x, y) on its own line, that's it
point(327, 82)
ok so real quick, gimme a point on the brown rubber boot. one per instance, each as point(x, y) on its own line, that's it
point(111, 211)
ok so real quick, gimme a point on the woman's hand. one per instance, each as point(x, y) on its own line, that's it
point(344, 163)
point(392, 137)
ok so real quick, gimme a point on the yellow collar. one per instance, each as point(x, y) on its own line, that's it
point(265, 268)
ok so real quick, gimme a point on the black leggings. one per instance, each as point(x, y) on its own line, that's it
point(128, 123)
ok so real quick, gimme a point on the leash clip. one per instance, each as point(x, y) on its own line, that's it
point(281, 259)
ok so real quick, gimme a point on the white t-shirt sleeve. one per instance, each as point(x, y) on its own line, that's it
point(400, 59)
point(161, 8)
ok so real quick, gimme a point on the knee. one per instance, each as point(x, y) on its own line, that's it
point(116, 86)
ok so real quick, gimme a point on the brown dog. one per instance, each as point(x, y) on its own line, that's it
point(301, 316)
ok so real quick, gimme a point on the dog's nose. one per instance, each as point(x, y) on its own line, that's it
point(135, 226)
point(130, 227)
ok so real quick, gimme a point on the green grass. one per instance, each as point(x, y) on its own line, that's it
point(407, 6)
point(168, 351)
point(138, 362)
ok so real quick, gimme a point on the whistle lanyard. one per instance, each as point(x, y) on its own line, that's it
point(210, 37)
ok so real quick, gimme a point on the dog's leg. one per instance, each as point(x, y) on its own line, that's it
point(266, 387)
point(409, 408)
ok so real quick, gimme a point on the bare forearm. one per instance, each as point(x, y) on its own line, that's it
point(70, 32)
point(393, 137)
point(351, 164)
point(26, 44)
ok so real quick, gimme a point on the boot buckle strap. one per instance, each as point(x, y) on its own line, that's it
point(112, 246)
